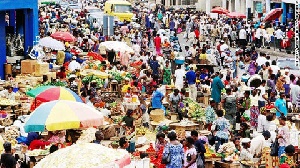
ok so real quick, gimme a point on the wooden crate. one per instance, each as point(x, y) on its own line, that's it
point(28, 66)
point(41, 69)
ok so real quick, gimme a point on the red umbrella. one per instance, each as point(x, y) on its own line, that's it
point(273, 14)
point(95, 56)
point(219, 10)
point(236, 15)
point(65, 36)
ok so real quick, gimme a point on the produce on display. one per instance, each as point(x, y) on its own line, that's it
point(7, 102)
point(87, 135)
point(85, 155)
point(87, 79)
point(142, 131)
point(57, 83)
point(38, 152)
point(195, 110)
point(227, 148)
point(11, 134)
point(210, 153)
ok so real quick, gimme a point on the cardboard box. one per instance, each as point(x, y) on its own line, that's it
point(41, 69)
point(51, 75)
point(28, 66)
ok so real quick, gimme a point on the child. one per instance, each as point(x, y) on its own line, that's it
point(288, 157)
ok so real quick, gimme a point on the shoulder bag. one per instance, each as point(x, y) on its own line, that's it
point(166, 159)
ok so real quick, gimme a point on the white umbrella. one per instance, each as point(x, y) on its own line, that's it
point(117, 46)
point(54, 44)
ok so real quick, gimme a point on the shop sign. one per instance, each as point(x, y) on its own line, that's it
point(276, 1)
point(259, 7)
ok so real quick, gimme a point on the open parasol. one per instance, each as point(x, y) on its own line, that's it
point(62, 115)
point(117, 46)
point(65, 36)
point(219, 10)
point(54, 44)
point(236, 15)
point(273, 14)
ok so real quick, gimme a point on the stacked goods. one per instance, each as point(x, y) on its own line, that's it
point(195, 110)
point(87, 135)
point(7, 102)
point(11, 134)
point(85, 155)
point(142, 131)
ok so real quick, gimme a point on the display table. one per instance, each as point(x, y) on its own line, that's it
point(219, 164)
point(131, 105)
point(189, 127)
point(209, 162)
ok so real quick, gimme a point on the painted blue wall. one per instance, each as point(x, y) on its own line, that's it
point(29, 8)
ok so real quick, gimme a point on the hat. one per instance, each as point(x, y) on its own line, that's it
point(286, 70)
point(245, 140)
point(266, 134)
point(222, 41)
point(74, 57)
point(158, 117)
point(127, 79)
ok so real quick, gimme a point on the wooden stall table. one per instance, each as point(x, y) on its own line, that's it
point(210, 162)
point(181, 129)
point(219, 164)
point(131, 105)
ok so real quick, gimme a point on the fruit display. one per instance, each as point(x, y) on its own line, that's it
point(87, 135)
point(85, 155)
point(227, 148)
point(195, 110)
point(87, 79)
point(142, 131)
point(156, 159)
point(38, 152)
point(210, 153)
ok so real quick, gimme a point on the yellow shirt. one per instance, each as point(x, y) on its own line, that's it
point(125, 88)
point(270, 31)
point(202, 56)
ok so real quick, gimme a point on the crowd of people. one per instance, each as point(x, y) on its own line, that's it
point(250, 116)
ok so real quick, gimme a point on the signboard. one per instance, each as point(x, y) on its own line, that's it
point(259, 7)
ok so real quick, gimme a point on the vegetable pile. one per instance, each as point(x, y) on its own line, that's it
point(87, 79)
point(87, 135)
point(82, 156)
point(195, 110)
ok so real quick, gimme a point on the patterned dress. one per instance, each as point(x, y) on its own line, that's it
point(167, 76)
point(176, 153)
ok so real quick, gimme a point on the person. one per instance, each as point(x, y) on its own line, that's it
point(217, 86)
point(262, 94)
point(74, 65)
point(129, 122)
point(123, 143)
point(229, 104)
point(245, 154)
point(126, 86)
point(258, 143)
point(198, 143)
point(191, 80)
point(154, 65)
point(38, 143)
point(53, 148)
point(167, 74)
point(280, 105)
point(7, 158)
point(190, 154)
point(175, 99)
point(30, 137)
point(157, 43)
point(99, 137)
point(283, 135)
point(60, 57)
point(160, 141)
point(144, 114)
point(288, 157)
point(179, 77)
point(8, 93)
point(175, 150)
point(210, 114)
point(157, 98)
point(62, 73)
point(222, 127)
point(262, 123)
point(254, 110)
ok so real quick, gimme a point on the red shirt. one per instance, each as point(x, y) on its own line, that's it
point(61, 75)
point(139, 86)
point(38, 144)
point(290, 34)
point(197, 33)
point(157, 41)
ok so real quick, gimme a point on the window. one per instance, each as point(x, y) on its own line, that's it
point(122, 8)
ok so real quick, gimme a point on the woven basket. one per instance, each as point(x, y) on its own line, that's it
point(157, 115)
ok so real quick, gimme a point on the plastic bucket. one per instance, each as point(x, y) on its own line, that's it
point(179, 62)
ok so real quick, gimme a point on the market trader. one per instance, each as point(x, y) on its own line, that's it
point(191, 80)
point(74, 65)
point(8, 93)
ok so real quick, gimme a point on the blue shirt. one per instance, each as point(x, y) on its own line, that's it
point(154, 66)
point(191, 77)
point(281, 105)
point(68, 56)
point(156, 99)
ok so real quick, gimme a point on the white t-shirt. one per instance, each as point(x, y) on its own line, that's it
point(261, 60)
point(275, 69)
point(74, 65)
point(223, 47)
point(242, 34)
point(191, 151)
point(262, 92)
point(295, 91)
point(179, 74)
point(262, 122)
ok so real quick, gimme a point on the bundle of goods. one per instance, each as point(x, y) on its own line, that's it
point(87, 135)
point(195, 110)
point(38, 152)
point(229, 152)
point(142, 131)
point(86, 155)
point(210, 153)
point(11, 133)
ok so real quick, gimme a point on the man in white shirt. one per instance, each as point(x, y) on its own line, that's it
point(275, 68)
point(258, 143)
point(262, 94)
point(8, 93)
point(243, 37)
point(278, 36)
point(261, 60)
point(295, 91)
point(258, 34)
point(179, 77)
point(74, 65)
